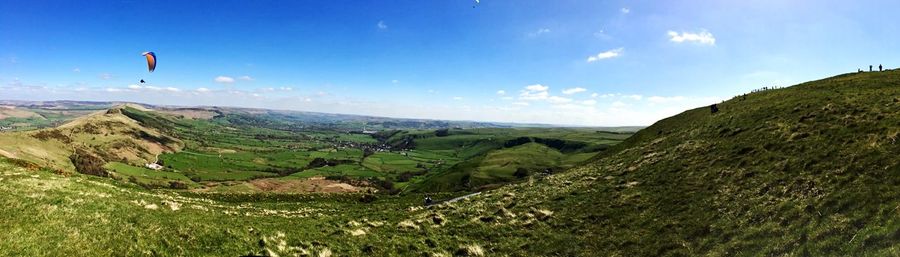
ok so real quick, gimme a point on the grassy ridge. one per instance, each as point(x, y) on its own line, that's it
point(809, 170)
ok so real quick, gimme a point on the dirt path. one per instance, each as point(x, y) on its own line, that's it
point(455, 199)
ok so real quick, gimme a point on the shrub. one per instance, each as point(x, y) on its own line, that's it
point(88, 163)
point(521, 172)
point(442, 132)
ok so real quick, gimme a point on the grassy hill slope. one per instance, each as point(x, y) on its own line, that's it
point(108, 135)
point(809, 170)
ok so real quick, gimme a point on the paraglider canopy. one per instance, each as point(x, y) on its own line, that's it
point(151, 60)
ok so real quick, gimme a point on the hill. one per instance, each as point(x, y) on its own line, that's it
point(97, 138)
point(808, 170)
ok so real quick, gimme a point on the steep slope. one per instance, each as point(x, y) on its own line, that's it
point(106, 135)
point(812, 169)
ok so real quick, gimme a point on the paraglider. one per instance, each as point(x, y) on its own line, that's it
point(476, 3)
point(151, 62)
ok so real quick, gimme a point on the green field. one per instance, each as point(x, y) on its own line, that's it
point(148, 177)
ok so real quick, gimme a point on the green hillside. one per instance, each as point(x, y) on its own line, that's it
point(809, 170)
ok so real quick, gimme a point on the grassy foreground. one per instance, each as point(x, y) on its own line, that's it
point(46, 214)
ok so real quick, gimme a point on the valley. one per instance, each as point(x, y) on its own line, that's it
point(242, 151)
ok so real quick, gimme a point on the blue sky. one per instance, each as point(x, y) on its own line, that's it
point(599, 63)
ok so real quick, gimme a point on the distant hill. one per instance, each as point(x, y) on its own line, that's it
point(274, 118)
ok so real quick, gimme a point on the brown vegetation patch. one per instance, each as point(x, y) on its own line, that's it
point(311, 185)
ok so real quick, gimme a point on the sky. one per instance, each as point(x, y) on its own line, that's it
point(591, 63)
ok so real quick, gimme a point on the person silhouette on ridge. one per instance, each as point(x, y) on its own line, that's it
point(870, 68)
point(879, 67)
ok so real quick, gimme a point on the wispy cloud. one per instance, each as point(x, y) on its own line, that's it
point(105, 76)
point(574, 90)
point(606, 55)
point(702, 37)
point(224, 79)
point(538, 32)
point(77, 70)
point(245, 78)
point(501, 92)
point(457, 98)
point(382, 25)
point(625, 10)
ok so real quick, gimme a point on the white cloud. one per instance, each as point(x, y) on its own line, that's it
point(135, 87)
point(382, 25)
point(173, 89)
point(574, 90)
point(224, 79)
point(606, 55)
point(113, 89)
point(457, 98)
point(246, 78)
point(594, 95)
point(536, 88)
point(534, 92)
point(589, 102)
point(539, 32)
point(702, 37)
point(520, 103)
point(625, 10)
point(286, 88)
point(105, 76)
point(501, 92)
point(395, 81)
point(202, 90)
point(507, 98)
point(76, 70)
point(558, 100)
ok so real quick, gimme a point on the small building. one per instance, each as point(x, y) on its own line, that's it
point(153, 166)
